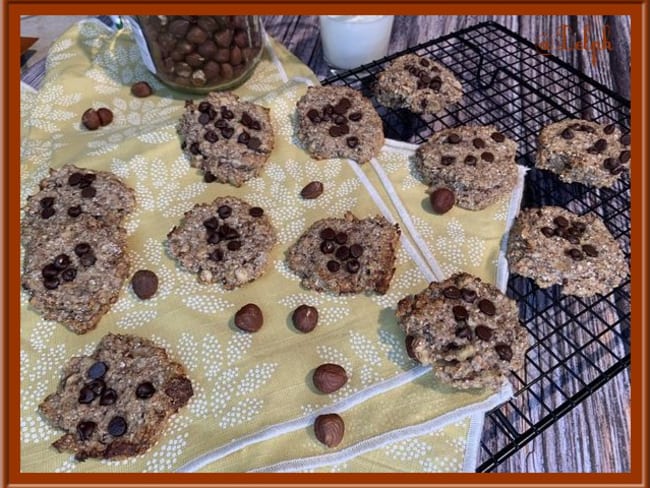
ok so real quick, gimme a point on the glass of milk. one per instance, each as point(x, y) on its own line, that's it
point(352, 40)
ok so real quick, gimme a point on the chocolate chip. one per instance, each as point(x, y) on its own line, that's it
point(575, 254)
point(82, 248)
point(144, 283)
point(442, 200)
point(408, 344)
point(451, 292)
point(212, 223)
point(249, 318)
point(254, 143)
point(97, 386)
point(88, 259)
point(204, 118)
point(247, 120)
point(312, 190)
point(352, 142)
point(486, 306)
point(213, 237)
point(341, 238)
point(435, 84)
point(224, 211)
point(305, 318)
point(483, 332)
point(625, 139)
point(90, 119)
point(567, 134)
point(468, 295)
point(228, 232)
point(609, 129)
point(336, 131)
point(88, 192)
point(342, 253)
point(204, 107)
point(487, 156)
point(314, 115)
point(460, 312)
point(470, 160)
point(580, 227)
point(624, 157)
point(46, 202)
point(228, 132)
point(590, 250)
point(216, 255)
point(117, 426)
point(478, 143)
point(618, 170)
point(85, 429)
point(343, 106)
point(47, 212)
point(61, 261)
point(49, 271)
point(327, 247)
point(498, 137)
point(256, 212)
point(211, 136)
point(454, 138)
point(227, 113)
point(447, 160)
point(51, 283)
point(234, 245)
point(195, 149)
point(353, 266)
point(464, 332)
point(328, 109)
point(145, 390)
point(561, 221)
point(327, 234)
point(339, 119)
point(105, 116)
point(548, 231)
point(221, 124)
point(86, 395)
point(74, 211)
point(243, 138)
point(69, 274)
point(424, 62)
point(109, 397)
point(141, 89)
point(333, 266)
point(356, 250)
point(355, 116)
point(504, 351)
point(610, 163)
point(600, 145)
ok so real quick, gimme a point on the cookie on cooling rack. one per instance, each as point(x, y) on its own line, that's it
point(338, 122)
point(228, 139)
point(116, 402)
point(226, 241)
point(556, 247)
point(418, 84)
point(346, 255)
point(584, 152)
point(466, 329)
point(477, 163)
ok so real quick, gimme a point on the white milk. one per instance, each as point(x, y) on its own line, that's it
point(352, 40)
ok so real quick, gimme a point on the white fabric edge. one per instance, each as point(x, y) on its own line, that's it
point(26, 87)
point(373, 443)
point(302, 422)
point(274, 58)
point(473, 442)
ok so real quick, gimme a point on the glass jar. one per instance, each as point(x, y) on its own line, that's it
point(199, 54)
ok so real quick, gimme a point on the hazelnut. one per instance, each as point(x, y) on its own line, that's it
point(249, 318)
point(329, 377)
point(329, 429)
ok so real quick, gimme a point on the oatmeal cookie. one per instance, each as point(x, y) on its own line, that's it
point(584, 152)
point(466, 329)
point(338, 122)
point(418, 84)
point(116, 402)
point(346, 255)
point(228, 139)
point(477, 163)
point(556, 247)
point(226, 241)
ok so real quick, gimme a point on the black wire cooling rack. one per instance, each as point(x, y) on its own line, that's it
point(577, 344)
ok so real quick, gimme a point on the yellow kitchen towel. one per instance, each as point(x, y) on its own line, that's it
point(250, 389)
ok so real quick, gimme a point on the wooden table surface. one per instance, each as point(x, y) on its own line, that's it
point(595, 435)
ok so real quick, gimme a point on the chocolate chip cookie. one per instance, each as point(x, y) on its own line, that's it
point(477, 163)
point(70, 192)
point(227, 242)
point(584, 152)
point(418, 84)
point(466, 329)
point(228, 139)
point(116, 402)
point(338, 122)
point(76, 274)
point(346, 255)
point(556, 247)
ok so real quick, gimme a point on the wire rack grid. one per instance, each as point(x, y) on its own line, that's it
point(577, 344)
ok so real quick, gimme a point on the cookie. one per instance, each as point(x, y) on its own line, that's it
point(116, 402)
point(338, 122)
point(584, 152)
point(346, 255)
point(477, 163)
point(228, 139)
point(466, 329)
point(76, 274)
point(417, 84)
point(226, 241)
point(70, 192)
point(556, 247)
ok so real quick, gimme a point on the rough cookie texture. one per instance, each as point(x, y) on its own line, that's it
point(70, 192)
point(584, 152)
point(228, 139)
point(116, 402)
point(476, 162)
point(346, 255)
point(338, 122)
point(417, 84)
point(226, 242)
point(74, 276)
point(556, 247)
point(466, 329)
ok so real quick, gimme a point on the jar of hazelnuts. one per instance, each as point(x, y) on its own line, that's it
point(202, 53)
